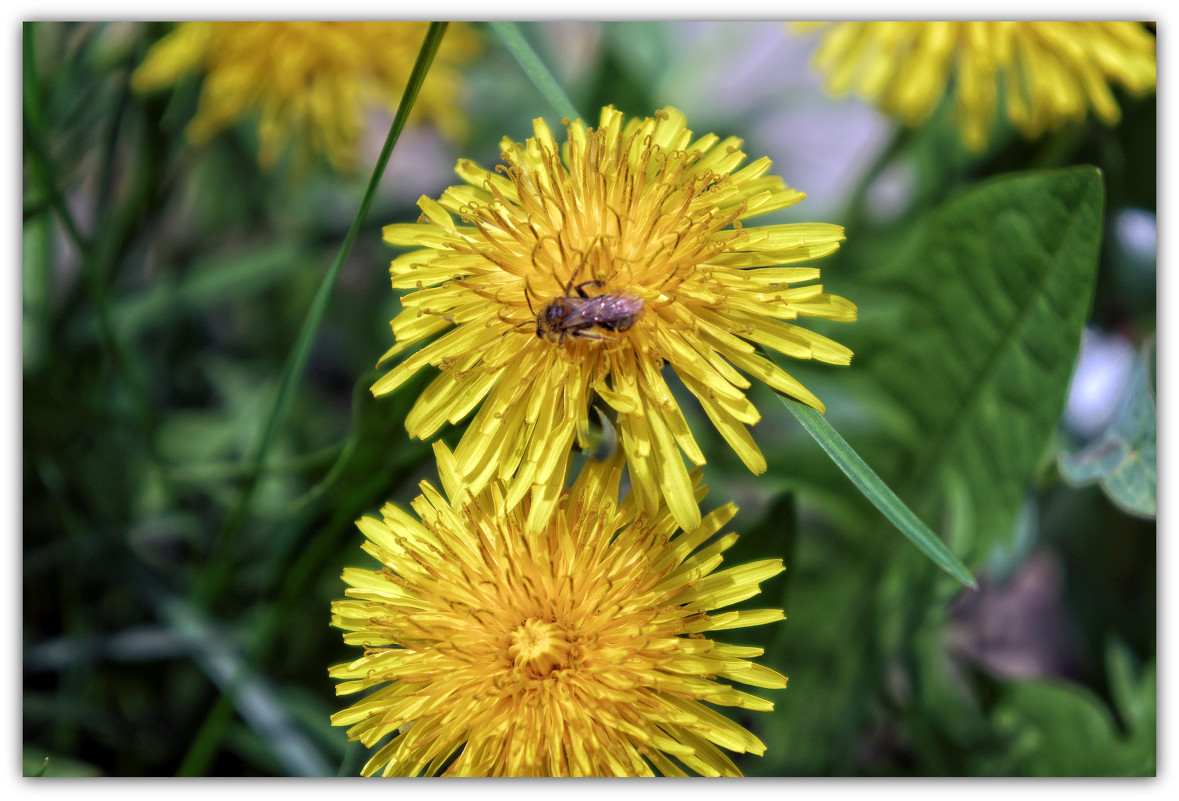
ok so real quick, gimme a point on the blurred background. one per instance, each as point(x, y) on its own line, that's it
point(175, 606)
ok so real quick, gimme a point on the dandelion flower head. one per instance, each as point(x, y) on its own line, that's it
point(1044, 73)
point(309, 83)
point(581, 269)
point(579, 650)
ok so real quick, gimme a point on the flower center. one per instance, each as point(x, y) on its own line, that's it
point(539, 647)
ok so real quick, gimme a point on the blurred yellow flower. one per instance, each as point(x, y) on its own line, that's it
point(1046, 73)
point(308, 82)
point(583, 269)
point(577, 650)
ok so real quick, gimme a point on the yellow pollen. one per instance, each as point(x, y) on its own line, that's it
point(539, 647)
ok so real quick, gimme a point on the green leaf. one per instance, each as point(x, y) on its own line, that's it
point(1133, 689)
point(1061, 729)
point(828, 593)
point(877, 491)
point(986, 301)
point(253, 694)
point(1123, 459)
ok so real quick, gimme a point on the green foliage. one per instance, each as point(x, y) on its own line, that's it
point(1061, 729)
point(199, 436)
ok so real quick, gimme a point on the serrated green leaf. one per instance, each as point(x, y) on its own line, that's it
point(1124, 458)
point(994, 288)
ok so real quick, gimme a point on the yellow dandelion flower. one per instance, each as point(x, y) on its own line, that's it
point(580, 270)
point(578, 650)
point(1047, 73)
point(307, 82)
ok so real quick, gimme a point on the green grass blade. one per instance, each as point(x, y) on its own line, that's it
point(33, 127)
point(95, 262)
point(509, 33)
point(201, 750)
point(877, 491)
point(297, 361)
point(256, 697)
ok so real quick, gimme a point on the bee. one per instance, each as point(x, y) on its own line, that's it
point(576, 314)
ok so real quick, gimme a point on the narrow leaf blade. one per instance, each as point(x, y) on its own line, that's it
point(300, 352)
point(509, 33)
point(877, 491)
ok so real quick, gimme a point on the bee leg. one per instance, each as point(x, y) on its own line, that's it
point(528, 297)
point(581, 292)
point(572, 278)
point(595, 336)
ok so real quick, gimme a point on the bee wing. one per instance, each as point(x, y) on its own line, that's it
point(582, 312)
point(601, 309)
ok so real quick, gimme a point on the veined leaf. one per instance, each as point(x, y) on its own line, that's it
point(992, 289)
